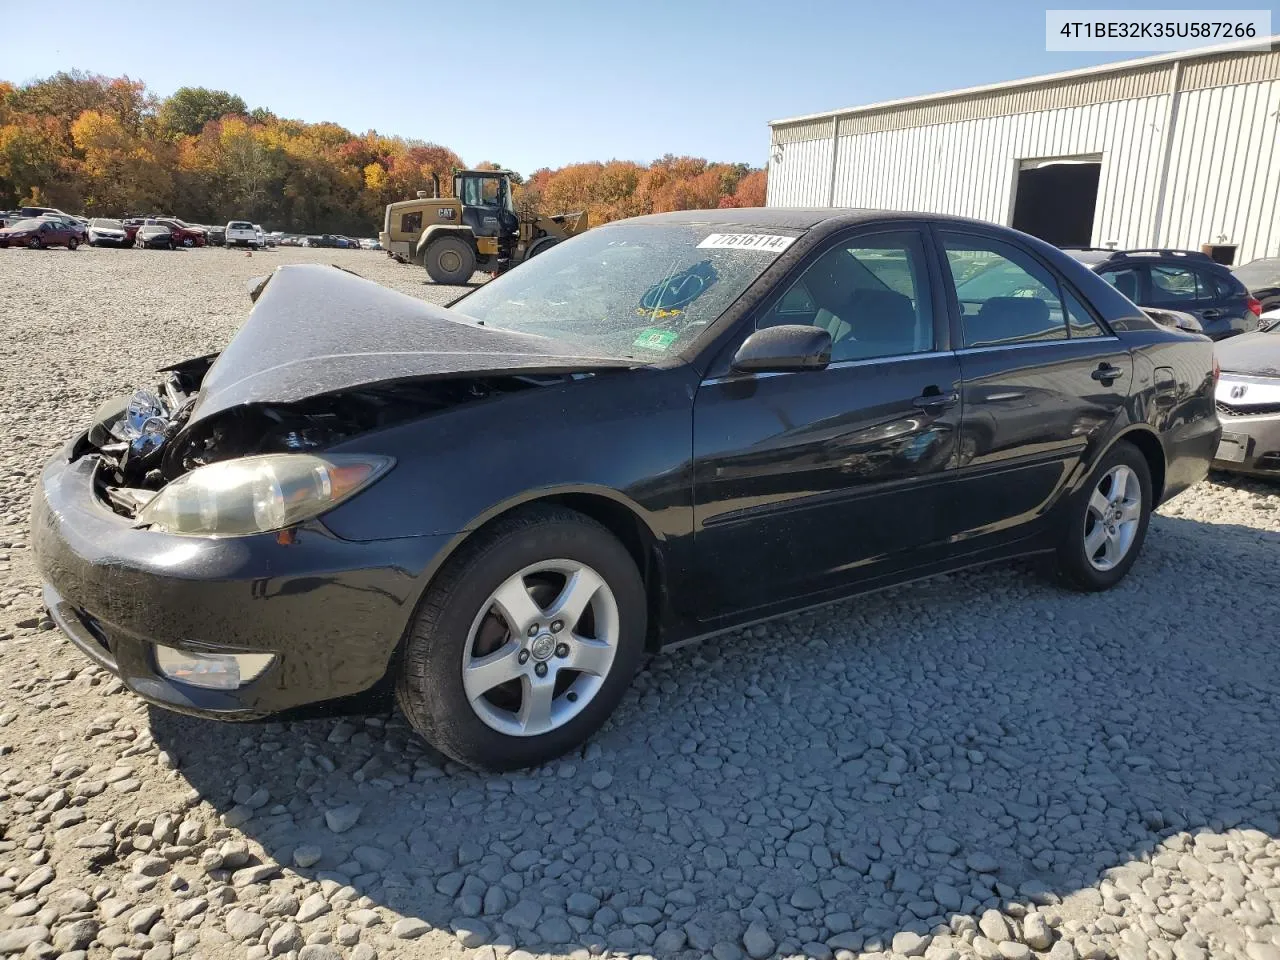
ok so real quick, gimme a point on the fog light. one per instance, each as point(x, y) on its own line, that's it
point(213, 671)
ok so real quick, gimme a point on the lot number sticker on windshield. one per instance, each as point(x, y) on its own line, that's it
point(768, 242)
point(655, 338)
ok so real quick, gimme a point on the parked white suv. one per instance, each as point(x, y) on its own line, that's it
point(242, 233)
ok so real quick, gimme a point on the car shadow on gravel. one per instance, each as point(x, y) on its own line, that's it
point(836, 777)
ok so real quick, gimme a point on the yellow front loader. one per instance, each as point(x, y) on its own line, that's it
point(477, 228)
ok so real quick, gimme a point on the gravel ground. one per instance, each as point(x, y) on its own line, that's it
point(978, 766)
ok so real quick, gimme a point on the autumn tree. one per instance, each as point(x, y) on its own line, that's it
point(105, 145)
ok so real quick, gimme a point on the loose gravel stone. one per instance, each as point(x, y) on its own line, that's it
point(1095, 771)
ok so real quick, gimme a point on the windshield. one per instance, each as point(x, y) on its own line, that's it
point(628, 290)
point(27, 225)
point(106, 224)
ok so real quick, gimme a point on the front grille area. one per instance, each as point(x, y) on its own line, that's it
point(1262, 409)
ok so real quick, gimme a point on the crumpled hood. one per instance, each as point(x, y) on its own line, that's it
point(316, 329)
point(1252, 354)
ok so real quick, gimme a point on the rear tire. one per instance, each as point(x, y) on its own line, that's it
point(475, 613)
point(450, 260)
point(1105, 523)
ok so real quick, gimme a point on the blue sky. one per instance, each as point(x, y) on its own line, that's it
point(543, 84)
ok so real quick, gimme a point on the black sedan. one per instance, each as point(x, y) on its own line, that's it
point(153, 237)
point(658, 430)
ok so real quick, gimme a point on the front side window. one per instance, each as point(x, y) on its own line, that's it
point(871, 294)
point(1126, 281)
point(1006, 297)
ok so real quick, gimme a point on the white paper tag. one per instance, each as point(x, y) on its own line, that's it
point(768, 242)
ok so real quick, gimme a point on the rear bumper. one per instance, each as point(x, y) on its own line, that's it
point(1261, 445)
point(1189, 449)
point(332, 611)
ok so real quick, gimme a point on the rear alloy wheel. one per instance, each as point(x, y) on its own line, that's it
point(1107, 521)
point(526, 641)
point(450, 260)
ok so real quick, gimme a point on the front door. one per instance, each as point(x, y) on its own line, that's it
point(806, 482)
point(1043, 379)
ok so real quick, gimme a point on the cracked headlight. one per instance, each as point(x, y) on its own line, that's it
point(237, 498)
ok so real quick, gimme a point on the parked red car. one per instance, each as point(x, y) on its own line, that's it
point(184, 234)
point(39, 233)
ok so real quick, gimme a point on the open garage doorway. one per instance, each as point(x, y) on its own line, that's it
point(1054, 199)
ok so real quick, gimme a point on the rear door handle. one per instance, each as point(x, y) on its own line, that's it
point(936, 401)
point(1106, 373)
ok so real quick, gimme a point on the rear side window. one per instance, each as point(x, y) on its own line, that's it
point(1225, 287)
point(1172, 285)
point(1080, 322)
point(1006, 297)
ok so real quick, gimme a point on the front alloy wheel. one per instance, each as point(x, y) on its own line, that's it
point(525, 641)
point(540, 648)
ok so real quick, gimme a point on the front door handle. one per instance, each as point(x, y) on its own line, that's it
point(936, 401)
point(1106, 373)
point(1211, 314)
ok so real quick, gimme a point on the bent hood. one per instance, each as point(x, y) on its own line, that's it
point(316, 329)
point(1252, 354)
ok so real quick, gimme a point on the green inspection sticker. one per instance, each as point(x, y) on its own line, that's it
point(655, 338)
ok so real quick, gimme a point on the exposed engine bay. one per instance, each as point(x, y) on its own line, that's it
point(145, 440)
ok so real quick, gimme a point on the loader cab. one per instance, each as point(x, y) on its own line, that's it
point(488, 207)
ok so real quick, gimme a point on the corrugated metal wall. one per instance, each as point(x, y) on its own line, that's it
point(1224, 171)
point(961, 156)
point(969, 168)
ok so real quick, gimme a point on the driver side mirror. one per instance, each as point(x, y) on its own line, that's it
point(784, 348)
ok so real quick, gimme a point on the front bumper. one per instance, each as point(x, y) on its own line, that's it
point(1257, 438)
point(331, 610)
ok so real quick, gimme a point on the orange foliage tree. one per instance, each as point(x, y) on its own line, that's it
point(106, 146)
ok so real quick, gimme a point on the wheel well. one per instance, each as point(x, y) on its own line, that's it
point(1149, 446)
point(635, 536)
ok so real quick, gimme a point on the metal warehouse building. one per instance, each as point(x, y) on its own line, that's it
point(1175, 150)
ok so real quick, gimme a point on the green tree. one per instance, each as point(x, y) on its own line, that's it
point(190, 108)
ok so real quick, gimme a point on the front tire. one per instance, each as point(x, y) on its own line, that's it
point(188, 242)
point(34, 243)
point(72, 243)
point(1106, 521)
point(526, 641)
point(450, 261)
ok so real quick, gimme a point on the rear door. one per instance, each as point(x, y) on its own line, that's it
point(806, 482)
point(1042, 382)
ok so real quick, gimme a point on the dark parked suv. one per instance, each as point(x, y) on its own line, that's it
point(1183, 280)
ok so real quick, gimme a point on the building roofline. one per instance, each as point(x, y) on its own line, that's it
point(1247, 46)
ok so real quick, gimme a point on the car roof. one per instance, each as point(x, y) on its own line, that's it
point(795, 218)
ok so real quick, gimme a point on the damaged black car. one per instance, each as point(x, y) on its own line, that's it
point(661, 429)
